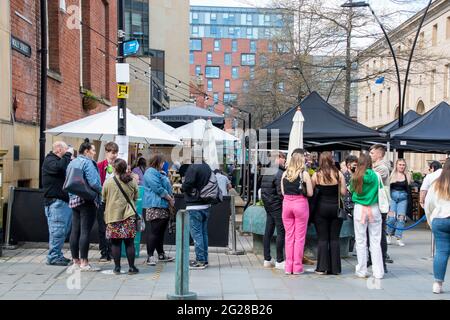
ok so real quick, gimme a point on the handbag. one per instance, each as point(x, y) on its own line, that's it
point(140, 225)
point(302, 185)
point(76, 184)
point(383, 196)
point(341, 212)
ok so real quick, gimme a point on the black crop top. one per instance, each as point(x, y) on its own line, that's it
point(292, 188)
point(400, 186)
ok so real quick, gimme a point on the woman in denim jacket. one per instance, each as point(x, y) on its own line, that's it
point(158, 196)
point(84, 211)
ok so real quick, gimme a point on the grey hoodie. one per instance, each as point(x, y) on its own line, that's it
point(383, 168)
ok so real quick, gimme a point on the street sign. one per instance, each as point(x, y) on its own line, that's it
point(130, 47)
point(122, 91)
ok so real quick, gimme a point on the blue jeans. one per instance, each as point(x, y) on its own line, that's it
point(398, 205)
point(59, 220)
point(441, 231)
point(199, 232)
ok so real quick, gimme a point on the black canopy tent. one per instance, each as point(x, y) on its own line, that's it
point(428, 133)
point(410, 116)
point(181, 115)
point(325, 128)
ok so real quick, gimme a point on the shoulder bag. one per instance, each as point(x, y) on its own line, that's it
point(76, 184)
point(140, 225)
point(383, 196)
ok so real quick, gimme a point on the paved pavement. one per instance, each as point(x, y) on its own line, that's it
point(24, 275)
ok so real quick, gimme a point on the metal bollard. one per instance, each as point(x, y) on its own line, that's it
point(182, 260)
point(233, 250)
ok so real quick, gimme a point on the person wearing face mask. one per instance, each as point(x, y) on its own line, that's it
point(350, 165)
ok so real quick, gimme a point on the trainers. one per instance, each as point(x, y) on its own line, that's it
point(268, 264)
point(400, 243)
point(89, 268)
point(320, 273)
point(59, 262)
point(361, 275)
point(116, 270)
point(151, 261)
point(279, 265)
point(165, 258)
point(388, 239)
point(197, 265)
point(133, 270)
point(437, 287)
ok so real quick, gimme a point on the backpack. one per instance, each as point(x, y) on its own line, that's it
point(211, 193)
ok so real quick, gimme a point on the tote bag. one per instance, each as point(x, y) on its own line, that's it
point(383, 196)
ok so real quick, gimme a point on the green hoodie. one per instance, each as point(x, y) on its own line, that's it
point(369, 195)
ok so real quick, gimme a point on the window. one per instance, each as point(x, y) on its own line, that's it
point(195, 44)
point(210, 85)
point(191, 57)
point(227, 59)
point(253, 46)
point(194, 17)
point(263, 60)
point(283, 47)
point(249, 19)
point(433, 86)
point(213, 30)
point(270, 47)
point(231, 31)
point(213, 17)
point(249, 32)
point(216, 45)
point(235, 72)
point(380, 104)
point(252, 73)
point(367, 108)
point(388, 104)
point(209, 58)
point(267, 20)
point(447, 81)
point(195, 30)
point(281, 86)
point(198, 70)
point(229, 97)
point(245, 85)
point(216, 97)
point(227, 86)
point(234, 45)
point(248, 59)
point(434, 35)
point(212, 72)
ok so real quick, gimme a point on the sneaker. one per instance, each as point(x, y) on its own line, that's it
point(116, 270)
point(388, 259)
point(400, 243)
point(133, 270)
point(287, 273)
point(388, 239)
point(165, 258)
point(151, 261)
point(197, 265)
point(361, 275)
point(268, 264)
point(89, 268)
point(59, 262)
point(279, 265)
point(322, 273)
point(437, 287)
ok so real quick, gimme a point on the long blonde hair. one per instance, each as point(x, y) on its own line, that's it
point(394, 173)
point(295, 166)
point(442, 184)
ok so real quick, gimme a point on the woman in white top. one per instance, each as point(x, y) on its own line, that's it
point(437, 210)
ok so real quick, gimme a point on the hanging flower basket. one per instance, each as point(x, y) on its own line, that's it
point(90, 101)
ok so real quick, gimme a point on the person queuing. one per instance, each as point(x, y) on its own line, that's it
point(399, 186)
point(106, 171)
point(57, 211)
point(295, 187)
point(330, 184)
point(139, 169)
point(273, 202)
point(437, 210)
point(158, 196)
point(435, 169)
point(84, 210)
point(367, 216)
point(119, 195)
point(223, 181)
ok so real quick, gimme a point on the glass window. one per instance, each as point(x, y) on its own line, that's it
point(231, 18)
point(195, 44)
point(231, 31)
point(270, 47)
point(191, 57)
point(248, 59)
point(252, 73)
point(267, 19)
point(213, 16)
point(267, 33)
point(227, 59)
point(210, 85)
point(227, 85)
point(213, 30)
point(229, 97)
point(212, 72)
point(253, 46)
point(263, 60)
point(209, 58)
point(198, 70)
point(249, 19)
point(235, 72)
point(234, 45)
point(194, 17)
point(245, 85)
point(249, 32)
point(216, 45)
point(195, 30)
point(216, 97)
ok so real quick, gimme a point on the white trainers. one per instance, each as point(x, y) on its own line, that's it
point(400, 243)
point(268, 264)
point(151, 261)
point(388, 239)
point(437, 287)
point(279, 265)
point(89, 268)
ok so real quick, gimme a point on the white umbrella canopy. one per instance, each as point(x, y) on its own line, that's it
point(209, 146)
point(159, 124)
point(196, 129)
point(296, 135)
point(103, 126)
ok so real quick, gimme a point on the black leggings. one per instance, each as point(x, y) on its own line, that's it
point(83, 218)
point(116, 250)
point(155, 235)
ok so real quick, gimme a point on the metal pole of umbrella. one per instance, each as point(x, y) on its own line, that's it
point(234, 250)
point(255, 176)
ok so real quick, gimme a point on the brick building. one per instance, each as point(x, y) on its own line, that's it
point(81, 59)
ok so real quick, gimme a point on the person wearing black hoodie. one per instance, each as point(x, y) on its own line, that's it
point(57, 211)
point(273, 202)
point(197, 176)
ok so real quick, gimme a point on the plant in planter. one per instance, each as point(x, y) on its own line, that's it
point(90, 101)
point(417, 176)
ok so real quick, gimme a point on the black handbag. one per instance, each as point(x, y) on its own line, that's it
point(76, 184)
point(302, 186)
point(341, 212)
point(140, 224)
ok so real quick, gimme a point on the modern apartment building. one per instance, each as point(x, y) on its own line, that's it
point(225, 47)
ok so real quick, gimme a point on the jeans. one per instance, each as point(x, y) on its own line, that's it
point(103, 243)
point(59, 219)
point(398, 207)
point(274, 220)
point(83, 218)
point(199, 232)
point(441, 231)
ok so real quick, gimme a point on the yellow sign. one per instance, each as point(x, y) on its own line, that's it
point(122, 91)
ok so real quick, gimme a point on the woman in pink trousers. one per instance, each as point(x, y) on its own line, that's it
point(296, 186)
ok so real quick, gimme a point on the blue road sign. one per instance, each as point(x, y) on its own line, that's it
point(130, 47)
